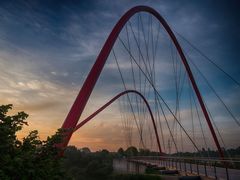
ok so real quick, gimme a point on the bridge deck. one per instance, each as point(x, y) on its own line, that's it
point(197, 169)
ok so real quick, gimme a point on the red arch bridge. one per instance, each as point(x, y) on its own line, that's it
point(160, 102)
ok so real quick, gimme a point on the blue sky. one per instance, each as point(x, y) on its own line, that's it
point(48, 47)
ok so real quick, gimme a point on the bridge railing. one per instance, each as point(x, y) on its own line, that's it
point(209, 167)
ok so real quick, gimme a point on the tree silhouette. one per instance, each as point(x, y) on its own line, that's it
point(30, 158)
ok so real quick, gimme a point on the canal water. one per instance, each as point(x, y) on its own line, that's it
point(123, 166)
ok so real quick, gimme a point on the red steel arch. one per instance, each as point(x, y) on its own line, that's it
point(86, 90)
point(115, 98)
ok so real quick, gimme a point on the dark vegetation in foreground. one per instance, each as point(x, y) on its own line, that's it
point(30, 158)
point(33, 158)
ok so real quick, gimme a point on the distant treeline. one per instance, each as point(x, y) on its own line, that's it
point(133, 151)
point(228, 153)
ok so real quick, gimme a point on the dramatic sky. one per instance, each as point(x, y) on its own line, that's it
point(48, 47)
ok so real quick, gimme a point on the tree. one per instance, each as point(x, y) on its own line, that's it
point(86, 150)
point(144, 152)
point(120, 151)
point(81, 165)
point(131, 151)
point(30, 158)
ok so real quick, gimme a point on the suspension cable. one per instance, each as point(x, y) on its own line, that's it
point(169, 109)
point(207, 58)
point(127, 95)
point(214, 91)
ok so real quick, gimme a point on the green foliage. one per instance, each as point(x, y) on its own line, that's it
point(144, 152)
point(81, 165)
point(120, 152)
point(131, 151)
point(85, 150)
point(30, 158)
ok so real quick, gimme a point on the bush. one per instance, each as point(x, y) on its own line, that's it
point(30, 158)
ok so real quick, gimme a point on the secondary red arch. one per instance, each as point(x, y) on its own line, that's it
point(86, 90)
point(115, 98)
